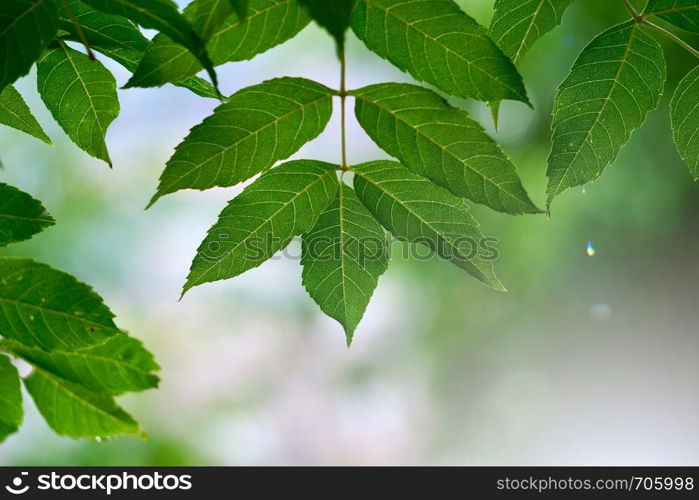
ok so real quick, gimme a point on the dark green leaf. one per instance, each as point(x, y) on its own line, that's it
point(685, 120)
point(206, 16)
point(26, 27)
point(74, 411)
point(241, 7)
point(257, 127)
point(517, 24)
point(442, 143)
point(81, 95)
point(334, 16)
point(117, 365)
point(617, 79)
point(11, 413)
point(682, 13)
point(343, 257)
point(161, 15)
point(46, 308)
point(284, 202)
point(437, 43)
point(15, 113)
point(415, 210)
point(269, 23)
point(21, 216)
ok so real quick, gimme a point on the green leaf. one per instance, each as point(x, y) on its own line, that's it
point(11, 413)
point(257, 127)
point(682, 13)
point(415, 210)
point(26, 27)
point(207, 15)
point(15, 113)
point(442, 143)
point(284, 202)
point(343, 257)
point(334, 16)
point(269, 23)
point(241, 7)
point(437, 43)
point(684, 110)
point(46, 308)
point(161, 15)
point(617, 79)
point(119, 39)
point(518, 24)
point(21, 216)
point(81, 95)
point(119, 364)
point(74, 411)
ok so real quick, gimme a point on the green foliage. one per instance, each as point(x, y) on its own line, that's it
point(26, 26)
point(685, 120)
point(81, 95)
point(81, 360)
point(21, 216)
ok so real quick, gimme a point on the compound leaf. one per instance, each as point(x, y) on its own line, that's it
point(284, 202)
point(617, 79)
point(415, 210)
point(21, 216)
point(74, 411)
point(268, 24)
point(343, 257)
point(518, 24)
point(257, 127)
point(442, 143)
point(682, 13)
point(161, 15)
point(684, 109)
point(45, 308)
point(11, 412)
point(117, 365)
point(15, 113)
point(81, 95)
point(437, 43)
point(26, 27)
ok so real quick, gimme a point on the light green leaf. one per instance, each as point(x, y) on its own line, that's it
point(11, 412)
point(257, 127)
point(81, 95)
point(207, 15)
point(26, 27)
point(442, 143)
point(684, 110)
point(46, 308)
point(518, 24)
point(414, 209)
point(682, 13)
point(268, 24)
point(119, 364)
point(15, 113)
point(343, 257)
point(161, 15)
point(333, 16)
point(617, 79)
point(74, 411)
point(21, 216)
point(119, 39)
point(284, 202)
point(437, 43)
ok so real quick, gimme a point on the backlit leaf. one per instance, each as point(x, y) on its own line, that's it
point(682, 13)
point(334, 16)
point(11, 412)
point(15, 113)
point(21, 216)
point(684, 110)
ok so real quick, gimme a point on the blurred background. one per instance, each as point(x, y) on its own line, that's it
point(587, 360)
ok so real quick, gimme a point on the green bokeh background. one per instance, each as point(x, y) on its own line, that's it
point(584, 361)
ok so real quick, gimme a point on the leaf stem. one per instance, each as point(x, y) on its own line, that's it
point(632, 10)
point(79, 30)
point(671, 36)
point(343, 101)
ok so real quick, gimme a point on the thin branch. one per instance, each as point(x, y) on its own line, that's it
point(343, 99)
point(79, 30)
point(671, 36)
point(632, 10)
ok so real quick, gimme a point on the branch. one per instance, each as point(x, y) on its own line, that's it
point(671, 36)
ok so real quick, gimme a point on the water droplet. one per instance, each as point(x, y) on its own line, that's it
point(591, 251)
point(600, 311)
